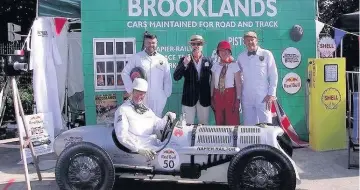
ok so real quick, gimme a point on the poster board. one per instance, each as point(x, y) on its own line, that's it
point(106, 105)
point(42, 134)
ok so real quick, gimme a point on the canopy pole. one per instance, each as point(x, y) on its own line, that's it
point(37, 8)
point(317, 9)
point(341, 48)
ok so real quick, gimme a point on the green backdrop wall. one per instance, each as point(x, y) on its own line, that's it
point(216, 20)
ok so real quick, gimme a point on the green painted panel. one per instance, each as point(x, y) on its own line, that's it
point(223, 20)
point(88, 58)
point(88, 81)
point(88, 69)
point(90, 114)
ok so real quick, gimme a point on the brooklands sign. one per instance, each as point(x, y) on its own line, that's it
point(202, 8)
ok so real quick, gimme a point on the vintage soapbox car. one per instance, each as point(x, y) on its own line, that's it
point(244, 157)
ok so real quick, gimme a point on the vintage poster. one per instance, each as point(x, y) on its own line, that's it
point(106, 106)
point(41, 131)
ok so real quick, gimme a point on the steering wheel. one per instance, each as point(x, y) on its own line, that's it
point(166, 128)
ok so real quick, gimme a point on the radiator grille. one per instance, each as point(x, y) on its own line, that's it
point(215, 129)
point(214, 135)
point(249, 130)
point(249, 139)
point(218, 139)
point(226, 136)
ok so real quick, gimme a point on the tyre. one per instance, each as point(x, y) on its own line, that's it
point(261, 167)
point(285, 143)
point(84, 166)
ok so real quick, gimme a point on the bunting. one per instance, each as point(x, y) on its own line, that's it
point(339, 34)
point(59, 24)
point(319, 26)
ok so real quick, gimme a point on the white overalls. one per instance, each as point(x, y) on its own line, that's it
point(259, 78)
point(137, 131)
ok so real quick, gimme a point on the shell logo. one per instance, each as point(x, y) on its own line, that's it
point(331, 97)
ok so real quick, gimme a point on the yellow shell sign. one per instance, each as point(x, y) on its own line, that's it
point(331, 98)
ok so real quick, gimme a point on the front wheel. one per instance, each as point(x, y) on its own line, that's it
point(261, 167)
point(84, 166)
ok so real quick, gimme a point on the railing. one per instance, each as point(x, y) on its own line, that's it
point(353, 114)
point(352, 90)
point(9, 47)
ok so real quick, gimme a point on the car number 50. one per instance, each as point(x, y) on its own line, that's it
point(169, 164)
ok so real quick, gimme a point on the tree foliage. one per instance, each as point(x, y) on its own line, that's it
point(21, 12)
point(331, 10)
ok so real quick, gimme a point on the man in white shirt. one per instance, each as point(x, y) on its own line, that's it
point(136, 125)
point(260, 78)
point(158, 76)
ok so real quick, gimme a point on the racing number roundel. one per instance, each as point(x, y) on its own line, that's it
point(168, 159)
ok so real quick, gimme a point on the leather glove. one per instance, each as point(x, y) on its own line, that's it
point(147, 153)
point(171, 115)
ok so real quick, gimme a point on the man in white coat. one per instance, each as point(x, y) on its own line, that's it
point(157, 70)
point(259, 78)
point(136, 125)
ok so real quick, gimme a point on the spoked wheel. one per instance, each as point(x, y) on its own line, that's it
point(84, 166)
point(261, 173)
point(261, 167)
point(84, 172)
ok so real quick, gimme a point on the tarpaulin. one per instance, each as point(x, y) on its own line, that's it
point(348, 22)
point(59, 8)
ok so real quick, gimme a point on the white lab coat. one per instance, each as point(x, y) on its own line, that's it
point(134, 130)
point(61, 69)
point(259, 78)
point(43, 58)
point(158, 75)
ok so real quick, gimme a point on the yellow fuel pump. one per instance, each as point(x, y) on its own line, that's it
point(327, 104)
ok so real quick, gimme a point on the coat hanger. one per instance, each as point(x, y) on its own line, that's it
point(74, 20)
point(75, 30)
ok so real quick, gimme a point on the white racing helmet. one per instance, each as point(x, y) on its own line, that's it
point(140, 84)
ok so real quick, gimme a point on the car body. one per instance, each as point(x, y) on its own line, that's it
point(195, 152)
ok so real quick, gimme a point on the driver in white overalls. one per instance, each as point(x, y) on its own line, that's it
point(136, 125)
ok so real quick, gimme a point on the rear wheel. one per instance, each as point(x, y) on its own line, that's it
point(261, 167)
point(84, 166)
